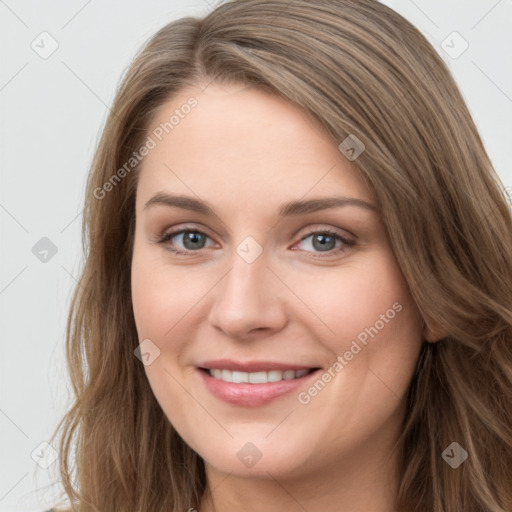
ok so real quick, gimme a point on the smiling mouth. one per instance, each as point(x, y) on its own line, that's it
point(261, 377)
point(254, 383)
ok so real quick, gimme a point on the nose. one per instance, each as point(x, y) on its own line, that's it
point(248, 300)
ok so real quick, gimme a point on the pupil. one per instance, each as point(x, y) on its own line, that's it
point(322, 245)
point(193, 238)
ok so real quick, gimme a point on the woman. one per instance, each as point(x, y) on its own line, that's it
point(297, 292)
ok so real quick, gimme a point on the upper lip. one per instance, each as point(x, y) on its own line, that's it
point(251, 366)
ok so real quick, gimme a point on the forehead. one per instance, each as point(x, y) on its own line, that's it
point(243, 142)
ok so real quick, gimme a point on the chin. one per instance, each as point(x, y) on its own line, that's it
point(260, 458)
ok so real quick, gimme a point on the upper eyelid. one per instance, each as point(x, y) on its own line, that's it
point(175, 231)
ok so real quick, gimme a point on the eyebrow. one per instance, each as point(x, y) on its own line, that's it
point(290, 209)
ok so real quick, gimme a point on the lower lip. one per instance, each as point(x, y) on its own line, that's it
point(251, 395)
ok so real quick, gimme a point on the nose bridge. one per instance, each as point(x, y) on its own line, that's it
point(246, 298)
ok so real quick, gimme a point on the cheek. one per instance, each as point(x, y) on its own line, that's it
point(147, 298)
point(161, 294)
point(351, 298)
point(375, 327)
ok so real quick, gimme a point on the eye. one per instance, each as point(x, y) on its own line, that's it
point(324, 241)
point(192, 239)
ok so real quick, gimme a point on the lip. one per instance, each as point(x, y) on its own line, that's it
point(252, 395)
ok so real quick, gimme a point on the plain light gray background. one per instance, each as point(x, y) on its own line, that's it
point(52, 111)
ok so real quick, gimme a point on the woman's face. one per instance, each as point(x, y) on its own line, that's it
point(301, 304)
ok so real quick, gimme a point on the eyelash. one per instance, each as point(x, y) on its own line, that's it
point(346, 243)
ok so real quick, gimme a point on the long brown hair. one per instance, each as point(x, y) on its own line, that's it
point(359, 68)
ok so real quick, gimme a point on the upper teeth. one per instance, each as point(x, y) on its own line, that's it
point(257, 377)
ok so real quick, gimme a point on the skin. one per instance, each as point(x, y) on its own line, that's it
point(242, 150)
